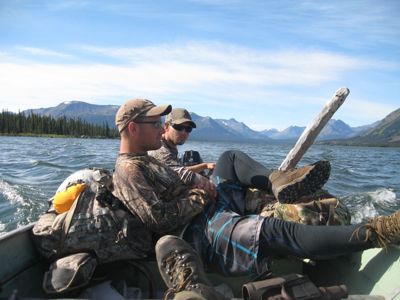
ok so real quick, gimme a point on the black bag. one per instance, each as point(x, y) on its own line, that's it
point(190, 158)
point(291, 287)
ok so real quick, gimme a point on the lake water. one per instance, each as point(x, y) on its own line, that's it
point(31, 169)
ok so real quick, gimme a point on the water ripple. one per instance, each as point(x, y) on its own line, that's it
point(47, 164)
point(10, 193)
point(31, 169)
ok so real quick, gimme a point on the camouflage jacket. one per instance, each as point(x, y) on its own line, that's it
point(154, 192)
point(168, 154)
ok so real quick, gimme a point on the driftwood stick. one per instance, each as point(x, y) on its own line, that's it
point(311, 132)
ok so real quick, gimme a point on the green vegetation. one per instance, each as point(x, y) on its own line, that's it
point(32, 125)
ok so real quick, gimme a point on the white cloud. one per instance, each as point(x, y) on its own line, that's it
point(227, 63)
point(44, 52)
point(212, 77)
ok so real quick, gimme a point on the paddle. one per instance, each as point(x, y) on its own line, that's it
point(311, 132)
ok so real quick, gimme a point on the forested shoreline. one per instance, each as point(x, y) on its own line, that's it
point(33, 124)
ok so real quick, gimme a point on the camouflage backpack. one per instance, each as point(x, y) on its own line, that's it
point(85, 225)
point(320, 208)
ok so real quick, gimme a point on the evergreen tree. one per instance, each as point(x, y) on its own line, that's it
point(20, 124)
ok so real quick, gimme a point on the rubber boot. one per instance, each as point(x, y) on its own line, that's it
point(288, 186)
point(181, 268)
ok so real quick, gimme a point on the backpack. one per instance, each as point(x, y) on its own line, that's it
point(85, 226)
point(190, 158)
point(320, 208)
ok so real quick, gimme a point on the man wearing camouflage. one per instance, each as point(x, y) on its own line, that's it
point(178, 126)
point(227, 240)
point(233, 166)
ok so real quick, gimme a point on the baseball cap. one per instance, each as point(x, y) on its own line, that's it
point(179, 116)
point(135, 108)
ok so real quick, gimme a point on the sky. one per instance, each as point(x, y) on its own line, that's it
point(269, 64)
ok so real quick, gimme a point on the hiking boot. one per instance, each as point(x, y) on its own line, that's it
point(383, 230)
point(181, 268)
point(288, 186)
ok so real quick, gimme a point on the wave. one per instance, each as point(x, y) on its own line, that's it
point(365, 205)
point(10, 193)
point(383, 196)
point(47, 164)
point(20, 205)
point(3, 229)
point(363, 212)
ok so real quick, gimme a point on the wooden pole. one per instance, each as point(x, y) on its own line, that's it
point(311, 132)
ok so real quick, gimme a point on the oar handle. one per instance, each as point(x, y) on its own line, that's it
point(311, 132)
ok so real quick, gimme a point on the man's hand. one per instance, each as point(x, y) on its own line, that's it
point(210, 166)
point(206, 185)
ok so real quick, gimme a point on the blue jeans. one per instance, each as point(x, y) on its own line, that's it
point(234, 244)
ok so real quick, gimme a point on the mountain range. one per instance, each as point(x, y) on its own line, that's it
point(382, 133)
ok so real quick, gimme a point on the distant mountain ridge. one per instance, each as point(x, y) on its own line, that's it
point(92, 113)
point(385, 133)
point(233, 130)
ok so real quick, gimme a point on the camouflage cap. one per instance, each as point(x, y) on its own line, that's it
point(135, 108)
point(180, 116)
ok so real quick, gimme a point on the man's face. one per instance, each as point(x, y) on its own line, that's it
point(150, 130)
point(177, 134)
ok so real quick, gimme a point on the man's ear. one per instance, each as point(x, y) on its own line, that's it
point(132, 128)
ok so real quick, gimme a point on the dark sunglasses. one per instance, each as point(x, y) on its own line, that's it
point(156, 124)
point(177, 127)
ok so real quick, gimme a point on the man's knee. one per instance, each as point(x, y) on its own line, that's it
point(231, 154)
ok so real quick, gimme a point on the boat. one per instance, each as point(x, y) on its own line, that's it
point(370, 274)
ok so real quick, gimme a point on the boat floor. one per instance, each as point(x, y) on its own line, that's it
point(371, 272)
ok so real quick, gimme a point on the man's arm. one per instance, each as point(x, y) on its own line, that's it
point(201, 167)
point(165, 156)
point(161, 208)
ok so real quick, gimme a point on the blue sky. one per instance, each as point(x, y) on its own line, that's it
point(269, 64)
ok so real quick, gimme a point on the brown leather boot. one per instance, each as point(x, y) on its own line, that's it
point(288, 186)
point(384, 230)
point(181, 268)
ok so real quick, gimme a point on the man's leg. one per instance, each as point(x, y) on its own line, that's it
point(279, 237)
point(287, 186)
point(245, 245)
point(238, 167)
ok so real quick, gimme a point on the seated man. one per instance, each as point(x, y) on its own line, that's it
point(233, 166)
point(232, 243)
point(177, 127)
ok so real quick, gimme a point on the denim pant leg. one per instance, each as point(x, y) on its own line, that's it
point(280, 237)
point(226, 239)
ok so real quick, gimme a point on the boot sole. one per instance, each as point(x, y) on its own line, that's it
point(307, 185)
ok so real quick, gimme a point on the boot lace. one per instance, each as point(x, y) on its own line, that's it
point(383, 229)
point(179, 272)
